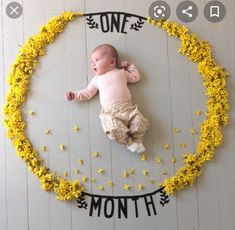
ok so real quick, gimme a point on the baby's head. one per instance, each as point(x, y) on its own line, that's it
point(104, 59)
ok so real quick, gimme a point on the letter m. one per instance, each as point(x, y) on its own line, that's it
point(95, 205)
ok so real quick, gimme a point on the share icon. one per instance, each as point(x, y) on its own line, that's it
point(185, 11)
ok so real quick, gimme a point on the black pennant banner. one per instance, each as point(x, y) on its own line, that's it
point(111, 21)
point(107, 205)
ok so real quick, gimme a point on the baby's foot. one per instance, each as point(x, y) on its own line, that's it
point(141, 148)
point(133, 147)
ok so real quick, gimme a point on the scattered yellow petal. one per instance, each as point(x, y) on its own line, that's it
point(166, 146)
point(175, 130)
point(80, 161)
point(126, 187)
point(140, 187)
point(101, 188)
point(145, 172)
point(125, 174)
point(31, 113)
point(100, 170)
point(43, 148)
point(164, 172)
point(158, 160)
point(62, 147)
point(93, 180)
point(173, 159)
point(143, 157)
point(131, 171)
point(47, 131)
point(182, 145)
point(76, 128)
point(193, 131)
point(151, 181)
point(76, 171)
point(96, 154)
point(110, 183)
point(198, 112)
point(65, 173)
point(84, 179)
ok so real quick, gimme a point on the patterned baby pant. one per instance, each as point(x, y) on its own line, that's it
point(124, 123)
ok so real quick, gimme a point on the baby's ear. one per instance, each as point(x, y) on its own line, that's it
point(114, 61)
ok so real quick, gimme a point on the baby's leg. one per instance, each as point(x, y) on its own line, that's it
point(116, 129)
point(138, 126)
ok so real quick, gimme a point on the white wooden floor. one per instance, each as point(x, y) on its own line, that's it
point(168, 95)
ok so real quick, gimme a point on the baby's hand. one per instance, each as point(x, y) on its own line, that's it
point(125, 64)
point(69, 96)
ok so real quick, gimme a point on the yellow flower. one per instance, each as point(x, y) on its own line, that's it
point(47, 131)
point(31, 113)
point(145, 172)
point(62, 147)
point(158, 160)
point(43, 148)
point(76, 171)
point(110, 183)
point(182, 145)
point(193, 131)
point(140, 187)
point(84, 179)
point(76, 128)
point(151, 181)
point(100, 170)
point(125, 174)
point(93, 180)
point(166, 146)
point(173, 159)
point(176, 130)
point(96, 154)
point(164, 172)
point(131, 171)
point(101, 187)
point(126, 187)
point(80, 161)
point(143, 157)
point(198, 112)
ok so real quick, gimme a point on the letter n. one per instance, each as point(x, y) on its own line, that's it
point(122, 208)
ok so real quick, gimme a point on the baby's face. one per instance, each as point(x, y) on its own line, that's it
point(102, 63)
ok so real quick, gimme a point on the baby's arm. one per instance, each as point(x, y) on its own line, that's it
point(131, 71)
point(84, 94)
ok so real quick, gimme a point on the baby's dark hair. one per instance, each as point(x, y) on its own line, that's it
point(107, 48)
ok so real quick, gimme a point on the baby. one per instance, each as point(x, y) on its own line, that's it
point(120, 120)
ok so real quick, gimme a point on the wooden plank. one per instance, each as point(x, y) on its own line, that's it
point(99, 140)
point(54, 117)
point(159, 107)
point(16, 172)
point(218, 176)
point(38, 200)
point(78, 113)
point(142, 46)
point(208, 184)
point(184, 118)
point(3, 193)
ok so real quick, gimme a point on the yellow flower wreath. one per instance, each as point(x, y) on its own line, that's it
point(214, 79)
